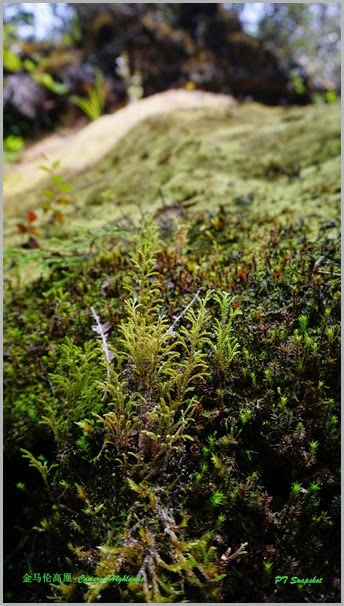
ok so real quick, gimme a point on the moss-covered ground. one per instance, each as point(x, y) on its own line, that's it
point(185, 430)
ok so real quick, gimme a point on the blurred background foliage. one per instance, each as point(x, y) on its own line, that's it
point(65, 63)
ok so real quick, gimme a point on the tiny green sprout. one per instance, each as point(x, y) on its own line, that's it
point(308, 341)
point(274, 333)
point(313, 445)
point(21, 486)
point(282, 334)
point(296, 489)
point(254, 378)
point(315, 348)
point(63, 483)
point(92, 105)
point(246, 353)
point(55, 193)
point(249, 454)
point(333, 419)
point(245, 415)
point(303, 322)
point(212, 441)
point(81, 443)
point(314, 487)
point(44, 525)
point(217, 498)
point(330, 402)
point(221, 519)
point(283, 401)
point(297, 337)
point(301, 365)
point(330, 332)
point(327, 312)
point(268, 375)
point(267, 566)
point(234, 494)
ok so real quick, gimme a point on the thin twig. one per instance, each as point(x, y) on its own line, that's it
point(102, 330)
point(170, 330)
point(329, 273)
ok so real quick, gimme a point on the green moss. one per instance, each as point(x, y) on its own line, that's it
point(277, 160)
point(209, 443)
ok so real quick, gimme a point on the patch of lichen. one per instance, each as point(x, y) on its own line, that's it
point(232, 435)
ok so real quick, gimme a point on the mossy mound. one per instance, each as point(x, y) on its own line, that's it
point(284, 161)
point(191, 438)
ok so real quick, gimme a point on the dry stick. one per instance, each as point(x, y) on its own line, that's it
point(101, 330)
point(170, 330)
point(329, 273)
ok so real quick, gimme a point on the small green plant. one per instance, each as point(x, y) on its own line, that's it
point(312, 450)
point(329, 96)
point(55, 192)
point(47, 81)
point(76, 390)
point(313, 446)
point(296, 489)
point(217, 498)
point(42, 467)
point(245, 415)
point(314, 487)
point(268, 567)
point(157, 398)
point(93, 105)
point(13, 145)
point(297, 82)
point(14, 63)
point(303, 321)
point(226, 346)
point(21, 486)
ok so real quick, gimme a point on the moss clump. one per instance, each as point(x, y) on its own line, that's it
point(204, 456)
point(281, 160)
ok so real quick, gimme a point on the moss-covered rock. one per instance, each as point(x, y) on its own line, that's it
point(282, 160)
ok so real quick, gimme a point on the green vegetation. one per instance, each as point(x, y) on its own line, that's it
point(193, 160)
point(93, 105)
point(172, 383)
point(12, 147)
point(13, 63)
